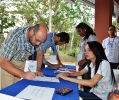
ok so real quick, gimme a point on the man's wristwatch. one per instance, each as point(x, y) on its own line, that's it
point(116, 92)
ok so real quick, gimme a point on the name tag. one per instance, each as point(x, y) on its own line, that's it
point(31, 65)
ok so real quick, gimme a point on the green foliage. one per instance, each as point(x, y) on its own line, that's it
point(73, 52)
point(114, 23)
point(65, 16)
point(6, 19)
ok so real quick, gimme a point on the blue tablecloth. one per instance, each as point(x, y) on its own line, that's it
point(17, 87)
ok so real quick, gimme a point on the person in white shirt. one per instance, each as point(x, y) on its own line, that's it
point(111, 47)
point(87, 34)
point(102, 77)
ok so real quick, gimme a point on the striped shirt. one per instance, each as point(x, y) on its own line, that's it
point(16, 46)
point(49, 42)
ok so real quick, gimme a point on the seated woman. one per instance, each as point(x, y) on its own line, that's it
point(102, 77)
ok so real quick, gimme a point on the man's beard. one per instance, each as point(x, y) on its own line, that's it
point(56, 43)
point(30, 40)
point(113, 34)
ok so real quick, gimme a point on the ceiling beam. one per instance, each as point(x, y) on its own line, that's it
point(116, 2)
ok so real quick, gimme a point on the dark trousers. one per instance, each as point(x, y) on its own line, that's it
point(114, 65)
point(88, 96)
point(86, 76)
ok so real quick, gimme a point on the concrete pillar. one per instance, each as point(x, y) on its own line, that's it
point(103, 18)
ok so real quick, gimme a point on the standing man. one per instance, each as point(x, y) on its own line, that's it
point(16, 49)
point(51, 41)
point(111, 46)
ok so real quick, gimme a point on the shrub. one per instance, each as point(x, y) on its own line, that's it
point(73, 52)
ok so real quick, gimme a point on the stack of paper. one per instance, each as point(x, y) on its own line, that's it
point(64, 70)
point(36, 93)
point(45, 78)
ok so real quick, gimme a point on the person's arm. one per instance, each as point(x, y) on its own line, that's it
point(54, 66)
point(81, 62)
point(59, 61)
point(54, 50)
point(79, 73)
point(118, 67)
point(39, 62)
point(10, 68)
point(89, 83)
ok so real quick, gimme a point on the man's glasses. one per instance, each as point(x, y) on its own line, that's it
point(37, 40)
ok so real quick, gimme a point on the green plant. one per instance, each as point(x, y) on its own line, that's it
point(73, 52)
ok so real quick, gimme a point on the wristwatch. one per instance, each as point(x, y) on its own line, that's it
point(116, 92)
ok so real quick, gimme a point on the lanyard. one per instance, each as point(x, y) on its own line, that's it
point(111, 43)
point(34, 55)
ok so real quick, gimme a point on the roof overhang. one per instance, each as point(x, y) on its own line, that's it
point(91, 3)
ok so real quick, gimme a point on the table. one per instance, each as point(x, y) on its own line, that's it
point(15, 88)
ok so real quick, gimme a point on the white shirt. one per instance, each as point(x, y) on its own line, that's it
point(84, 42)
point(111, 46)
point(104, 86)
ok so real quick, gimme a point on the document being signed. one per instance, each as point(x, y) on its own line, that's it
point(36, 93)
point(45, 78)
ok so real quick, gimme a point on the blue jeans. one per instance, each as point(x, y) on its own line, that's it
point(88, 96)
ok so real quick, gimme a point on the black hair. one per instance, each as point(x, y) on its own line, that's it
point(98, 51)
point(112, 26)
point(64, 37)
point(88, 31)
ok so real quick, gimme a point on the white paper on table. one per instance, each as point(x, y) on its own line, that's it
point(45, 78)
point(31, 65)
point(36, 93)
point(116, 74)
point(8, 97)
point(53, 59)
point(63, 69)
point(79, 57)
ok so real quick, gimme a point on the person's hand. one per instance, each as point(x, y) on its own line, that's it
point(118, 67)
point(81, 62)
point(28, 75)
point(62, 75)
point(39, 73)
point(56, 66)
point(63, 65)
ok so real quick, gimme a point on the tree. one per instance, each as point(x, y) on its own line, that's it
point(65, 16)
point(6, 19)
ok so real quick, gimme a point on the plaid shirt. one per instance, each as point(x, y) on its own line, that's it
point(16, 46)
point(49, 42)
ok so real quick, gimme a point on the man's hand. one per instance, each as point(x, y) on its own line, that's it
point(39, 73)
point(62, 65)
point(55, 66)
point(118, 67)
point(28, 75)
point(81, 62)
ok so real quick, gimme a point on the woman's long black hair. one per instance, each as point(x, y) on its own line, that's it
point(98, 51)
point(88, 30)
